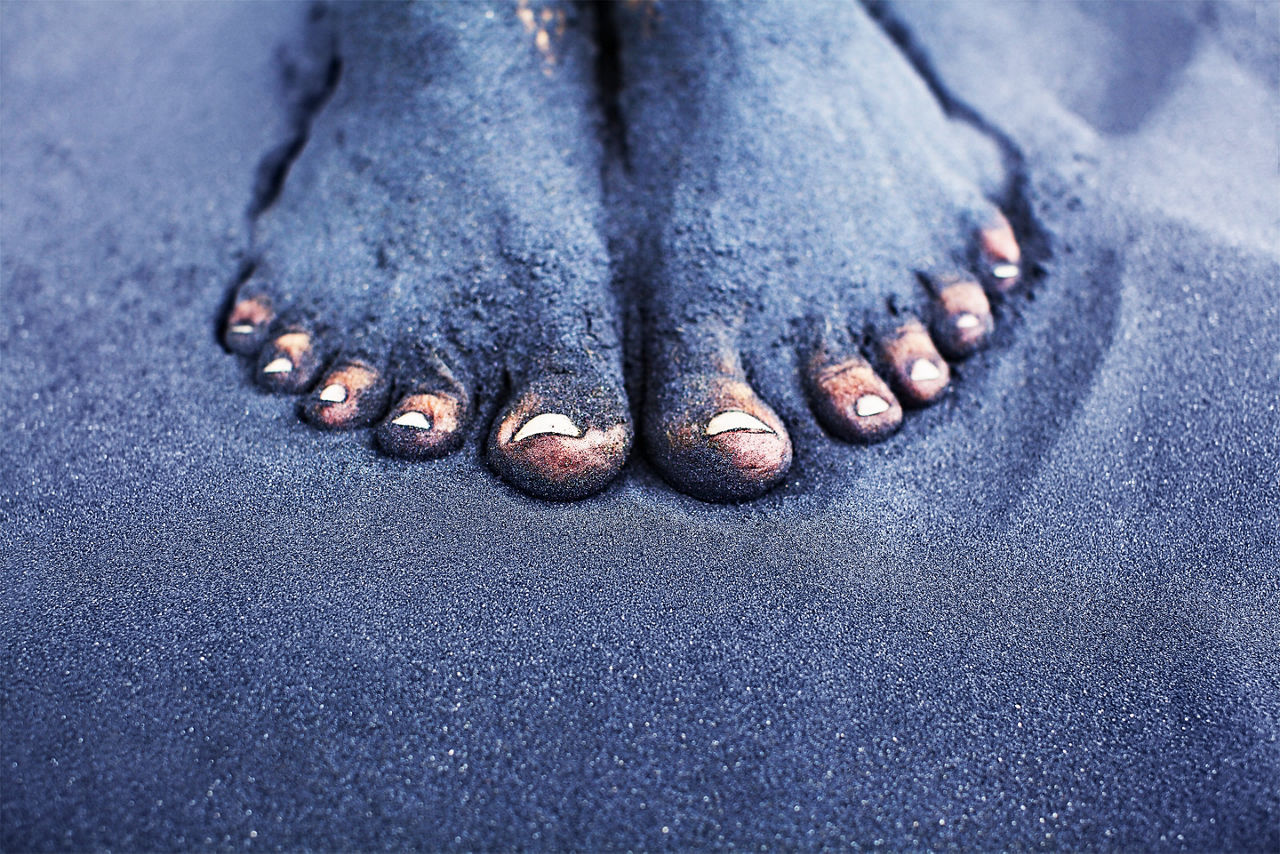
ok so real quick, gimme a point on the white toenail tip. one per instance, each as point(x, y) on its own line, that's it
point(924, 371)
point(1004, 271)
point(242, 328)
point(548, 422)
point(413, 419)
point(967, 321)
point(869, 405)
point(335, 393)
point(278, 366)
point(735, 420)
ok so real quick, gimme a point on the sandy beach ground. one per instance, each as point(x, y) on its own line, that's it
point(1044, 614)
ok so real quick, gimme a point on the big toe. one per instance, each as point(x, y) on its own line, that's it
point(719, 441)
point(562, 440)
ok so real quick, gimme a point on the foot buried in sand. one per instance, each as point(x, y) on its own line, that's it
point(785, 168)
point(444, 208)
point(790, 169)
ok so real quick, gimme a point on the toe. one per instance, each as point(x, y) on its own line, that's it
point(851, 401)
point(719, 441)
point(424, 425)
point(961, 321)
point(916, 369)
point(352, 394)
point(561, 441)
point(289, 363)
point(999, 256)
point(752, 444)
point(245, 329)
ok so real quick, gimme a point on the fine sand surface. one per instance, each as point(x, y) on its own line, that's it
point(1047, 613)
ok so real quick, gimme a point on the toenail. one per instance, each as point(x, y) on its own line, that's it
point(735, 420)
point(967, 321)
point(248, 316)
point(335, 393)
point(548, 422)
point(280, 365)
point(413, 419)
point(923, 371)
point(1005, 271)
point(870, 404)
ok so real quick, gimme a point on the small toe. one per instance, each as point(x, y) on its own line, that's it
point(561, 442)
point(851, 400)
point(720, 442)
point(352, 394)
point(962, 319)
point(424, 425)
point(999, 256)
point(915, 368)
point(245, 328)
point(289, 363)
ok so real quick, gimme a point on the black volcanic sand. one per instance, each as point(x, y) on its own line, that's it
point(1044, 613)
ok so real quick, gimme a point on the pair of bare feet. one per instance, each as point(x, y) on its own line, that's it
point(493, 186)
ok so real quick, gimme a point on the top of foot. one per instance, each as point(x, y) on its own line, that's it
point(436, 239)
point(787, 181)
point(787, 169)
